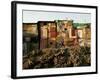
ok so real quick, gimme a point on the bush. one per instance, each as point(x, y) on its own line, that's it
point(58, 57)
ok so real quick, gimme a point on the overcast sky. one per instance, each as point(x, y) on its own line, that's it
point(34, 16)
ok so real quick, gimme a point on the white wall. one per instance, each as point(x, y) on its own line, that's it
point(5, 40)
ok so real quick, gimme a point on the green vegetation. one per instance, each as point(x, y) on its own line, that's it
point(81, 24)
point(74, 56)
